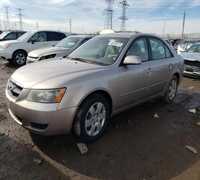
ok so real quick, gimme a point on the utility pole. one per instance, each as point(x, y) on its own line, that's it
point(20, 18)
point(7, 24)
point(183, 25)
point(70, 25)
point(37, 26)
point(109, 14)
point(123, 18)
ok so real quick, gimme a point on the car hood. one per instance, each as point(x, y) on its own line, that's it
point(191, 56)
point(29, 76)
point(48, 51)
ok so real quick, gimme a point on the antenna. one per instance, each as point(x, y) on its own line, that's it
point(109, 14)
point(123, 18)
point(20, 18)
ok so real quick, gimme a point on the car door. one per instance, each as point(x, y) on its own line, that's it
point(160, 66)
point(38, 40)
point(132, 79)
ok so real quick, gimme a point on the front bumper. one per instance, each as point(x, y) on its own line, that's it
point(44, 119)
point(4, 54)
point(191, 74)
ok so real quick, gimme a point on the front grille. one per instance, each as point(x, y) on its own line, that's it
point(14, 89)
point(192, 63)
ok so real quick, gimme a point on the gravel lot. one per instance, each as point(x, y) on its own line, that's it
point(136, 146)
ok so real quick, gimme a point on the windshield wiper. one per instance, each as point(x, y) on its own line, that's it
point(86, 61)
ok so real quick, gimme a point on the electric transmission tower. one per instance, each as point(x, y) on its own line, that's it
point(7, 24)
point(109, 14)
point(183, 25)
point(20, 18)
point(123, 18)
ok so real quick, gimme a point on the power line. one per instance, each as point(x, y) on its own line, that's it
point(109, 14)
point(20, 18)
point(123, 18)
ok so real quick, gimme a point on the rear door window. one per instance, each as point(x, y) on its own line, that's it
point(55, 36)
point(39, 37)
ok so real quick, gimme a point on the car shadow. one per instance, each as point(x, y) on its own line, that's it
point(145, 142)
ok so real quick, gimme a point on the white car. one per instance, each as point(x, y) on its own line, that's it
point(16, 51)
point(192, 60)
point(62, 49)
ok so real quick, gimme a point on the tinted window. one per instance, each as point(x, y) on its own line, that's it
point(11, 36)
point(139, 48)
point(39, 37)
point(159, 50)
point(55, 36)
point(20, 34)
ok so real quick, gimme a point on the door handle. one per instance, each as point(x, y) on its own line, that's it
point(149, 71)
point(170, 67)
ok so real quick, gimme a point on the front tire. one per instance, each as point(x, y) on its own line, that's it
point(19, 58)
point(92, 119)
point(171, 92)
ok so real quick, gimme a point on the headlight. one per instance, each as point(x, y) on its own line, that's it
point(46, 96)
point(47, 56)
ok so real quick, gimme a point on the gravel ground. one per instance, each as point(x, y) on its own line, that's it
point(136, 146)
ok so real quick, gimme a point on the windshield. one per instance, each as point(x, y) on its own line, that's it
point(194, 49)
point(69, 42)
point(3, 34)
point(100, 50)
point(25, 36)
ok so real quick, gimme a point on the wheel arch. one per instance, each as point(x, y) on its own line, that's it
point(19, 50)
point(178, 76)
point(100, 92)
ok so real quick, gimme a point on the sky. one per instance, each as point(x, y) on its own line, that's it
point(152, 16)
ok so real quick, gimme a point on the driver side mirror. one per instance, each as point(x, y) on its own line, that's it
point(132, 60)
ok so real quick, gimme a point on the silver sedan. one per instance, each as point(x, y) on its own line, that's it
point(106, 75)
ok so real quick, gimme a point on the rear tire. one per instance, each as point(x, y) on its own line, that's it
point(19, 58)
point(171, 92)
point(92, 119)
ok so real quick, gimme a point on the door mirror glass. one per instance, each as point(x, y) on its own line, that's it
point(132, 60)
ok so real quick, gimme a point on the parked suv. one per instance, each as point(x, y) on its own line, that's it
point(62, 49)
point(11, 35)
point(104, 76)
point(16, 51)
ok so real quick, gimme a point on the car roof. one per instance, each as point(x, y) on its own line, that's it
point(81, 36)
point(127, 35)
point(14, 31)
